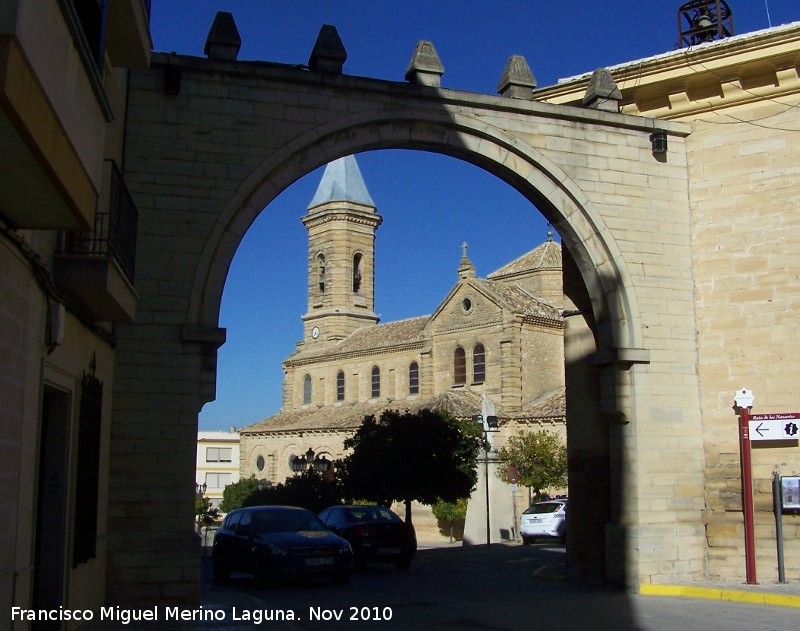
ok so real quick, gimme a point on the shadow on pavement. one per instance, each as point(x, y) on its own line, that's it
point(500, 587)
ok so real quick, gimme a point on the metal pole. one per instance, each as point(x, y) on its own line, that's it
point(514, 504)
point(486, 475)
point(777, 507)
point(747, 495)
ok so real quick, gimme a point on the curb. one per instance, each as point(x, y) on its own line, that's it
point(732, 595)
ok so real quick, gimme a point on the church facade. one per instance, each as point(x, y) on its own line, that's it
point(478, 345)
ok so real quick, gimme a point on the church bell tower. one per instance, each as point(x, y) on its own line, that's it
point(341, 223)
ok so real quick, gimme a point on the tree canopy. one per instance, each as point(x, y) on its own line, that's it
point(407, 456)
point(309, 489)
point(541, 458)
point(235, 495)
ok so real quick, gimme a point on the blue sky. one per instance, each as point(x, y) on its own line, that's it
point(430, 204)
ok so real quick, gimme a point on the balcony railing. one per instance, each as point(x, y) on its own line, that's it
point(114, 233)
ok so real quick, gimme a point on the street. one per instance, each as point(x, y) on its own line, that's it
point(500, 587)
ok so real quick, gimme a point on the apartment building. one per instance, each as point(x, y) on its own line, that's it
point(67, 256)
point(217, 463)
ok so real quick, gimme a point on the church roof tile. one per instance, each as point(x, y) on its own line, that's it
point(546, 256)
point(519, 300)
point(370, 338)
point(349, 416)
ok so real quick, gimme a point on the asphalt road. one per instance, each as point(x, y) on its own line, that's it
point(498, 587)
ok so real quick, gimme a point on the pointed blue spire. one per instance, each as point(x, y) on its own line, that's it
point(342, 182)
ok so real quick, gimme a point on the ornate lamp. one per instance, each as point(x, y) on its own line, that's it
point(298, 463)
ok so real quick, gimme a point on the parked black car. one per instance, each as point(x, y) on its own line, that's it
point(276, 543)
point(374, 532)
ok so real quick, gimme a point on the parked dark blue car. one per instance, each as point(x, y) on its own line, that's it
point(278, 543)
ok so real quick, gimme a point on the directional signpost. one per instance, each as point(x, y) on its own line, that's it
point(784, 426)
point(779, 426)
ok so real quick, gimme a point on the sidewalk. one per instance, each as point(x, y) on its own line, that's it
point(769, 592)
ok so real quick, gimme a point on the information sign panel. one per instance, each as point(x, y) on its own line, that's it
point(777, 426)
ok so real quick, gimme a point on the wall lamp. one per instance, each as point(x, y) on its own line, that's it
point(659, 141)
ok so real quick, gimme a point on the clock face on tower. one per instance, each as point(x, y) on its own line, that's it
point(315, 332)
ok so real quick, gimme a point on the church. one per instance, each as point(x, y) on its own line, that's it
point(476, 349)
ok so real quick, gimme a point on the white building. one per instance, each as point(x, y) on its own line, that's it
point(217, 462)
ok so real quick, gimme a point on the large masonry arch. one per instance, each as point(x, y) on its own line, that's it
point(463, 136)
point(202, 163)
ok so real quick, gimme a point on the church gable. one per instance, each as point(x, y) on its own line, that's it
point(479, 302)
point(467, 306)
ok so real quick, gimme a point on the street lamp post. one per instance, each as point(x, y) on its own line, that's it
point(309, 462)
point(488, 426)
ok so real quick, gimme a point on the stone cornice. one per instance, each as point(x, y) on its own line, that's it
point(318, 218)
point(346, 431)
point(691, 81)
point(366, 352)
point(468, 327)
point(445, 99)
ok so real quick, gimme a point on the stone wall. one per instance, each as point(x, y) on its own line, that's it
point(746, 254)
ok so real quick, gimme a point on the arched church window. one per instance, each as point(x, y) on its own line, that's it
point(321, 271)
point(357, 273)
point(376, 382)
point(340, 385)
point(478, 364)
point(307, 390)
point(413, 378)
point(459, 366)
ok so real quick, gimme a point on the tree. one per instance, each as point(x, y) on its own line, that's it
point(309, 489)
point(236, 495)
point(404, 456)
point(205, 514)
point(451, 512)
point(541, 458)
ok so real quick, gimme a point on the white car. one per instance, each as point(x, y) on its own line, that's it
point(544, 519)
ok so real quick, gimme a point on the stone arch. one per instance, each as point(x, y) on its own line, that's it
point(607, 399)
point(529, 171)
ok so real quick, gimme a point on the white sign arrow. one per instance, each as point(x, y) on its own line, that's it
point(785, 429)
